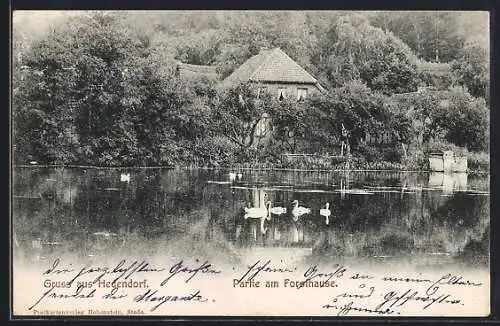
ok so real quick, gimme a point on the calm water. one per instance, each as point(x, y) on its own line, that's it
point(374, 215)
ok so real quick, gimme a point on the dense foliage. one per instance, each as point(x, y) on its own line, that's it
point(471, 69)
point(352, 49)
point(101, 90)
point(433, 36)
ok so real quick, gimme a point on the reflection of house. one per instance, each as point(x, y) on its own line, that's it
point(275, 72)
point(448, 181)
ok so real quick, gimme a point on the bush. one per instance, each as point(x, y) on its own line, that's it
point(377, 154)
point(215, 151)
point(392, 154)
point(369, 153)
point(441, 145)
point(478, 162)
point(416, 161)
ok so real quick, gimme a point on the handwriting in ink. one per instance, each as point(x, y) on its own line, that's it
point(346, 308)
point(54, 270)
point(79, 294)
point(135, 267)
point(113, 295)
point(124, 271)
point(449, 279)
point(313, 272)
point(358, 276)
point(255, 269)
point(394, 299)
point(179, 268)
point(158, 300)
point(406, 279)
point(358, 295)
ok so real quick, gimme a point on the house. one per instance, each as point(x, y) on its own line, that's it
point(275, 72)
point(272, 71)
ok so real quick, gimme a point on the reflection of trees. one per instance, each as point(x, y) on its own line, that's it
point(360, 213)
point(65, 205)
point(392, 227)
point(461, 218)
point(44, 207)
point(477, 250)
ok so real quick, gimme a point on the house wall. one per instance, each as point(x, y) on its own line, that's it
point(290, 89)
point(263, 130)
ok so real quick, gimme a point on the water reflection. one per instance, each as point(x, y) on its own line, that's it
point(449, 182)
point(92, 212)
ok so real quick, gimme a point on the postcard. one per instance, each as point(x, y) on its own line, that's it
point(256, 163)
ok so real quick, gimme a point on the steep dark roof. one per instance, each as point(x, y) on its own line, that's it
point(269, 66)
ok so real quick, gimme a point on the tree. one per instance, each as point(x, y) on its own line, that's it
point(353, 106)
point(237, 115)
point(472, 70)
point(202, 48)
point(292, 123)
point(78, 102)
point(433, 36)
point(465, 120)
point(452, 116)
point(354, 50)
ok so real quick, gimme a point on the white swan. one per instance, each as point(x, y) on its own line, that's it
point(125, 177)
point(326, 212)
point(298, 211)
point(255, 212)
point(276, 210)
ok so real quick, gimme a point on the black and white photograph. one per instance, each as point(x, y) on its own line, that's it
point(250, 163)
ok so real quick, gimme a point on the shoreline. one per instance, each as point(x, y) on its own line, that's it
point(232, 167)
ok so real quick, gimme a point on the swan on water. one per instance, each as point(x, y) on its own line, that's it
point(276, 210)
point(298, 211)
point(125, 177)
point(255, 212)
point(326, 212)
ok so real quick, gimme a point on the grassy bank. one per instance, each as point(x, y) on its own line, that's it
point(477, 164)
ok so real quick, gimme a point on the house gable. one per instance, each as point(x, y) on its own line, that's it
point(279, 67)
point(243, 73)
point(270, 67)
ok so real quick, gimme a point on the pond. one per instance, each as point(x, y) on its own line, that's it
point(91, 213)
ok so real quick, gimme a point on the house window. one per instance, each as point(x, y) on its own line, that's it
point(281, 93)
point(301, 93)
